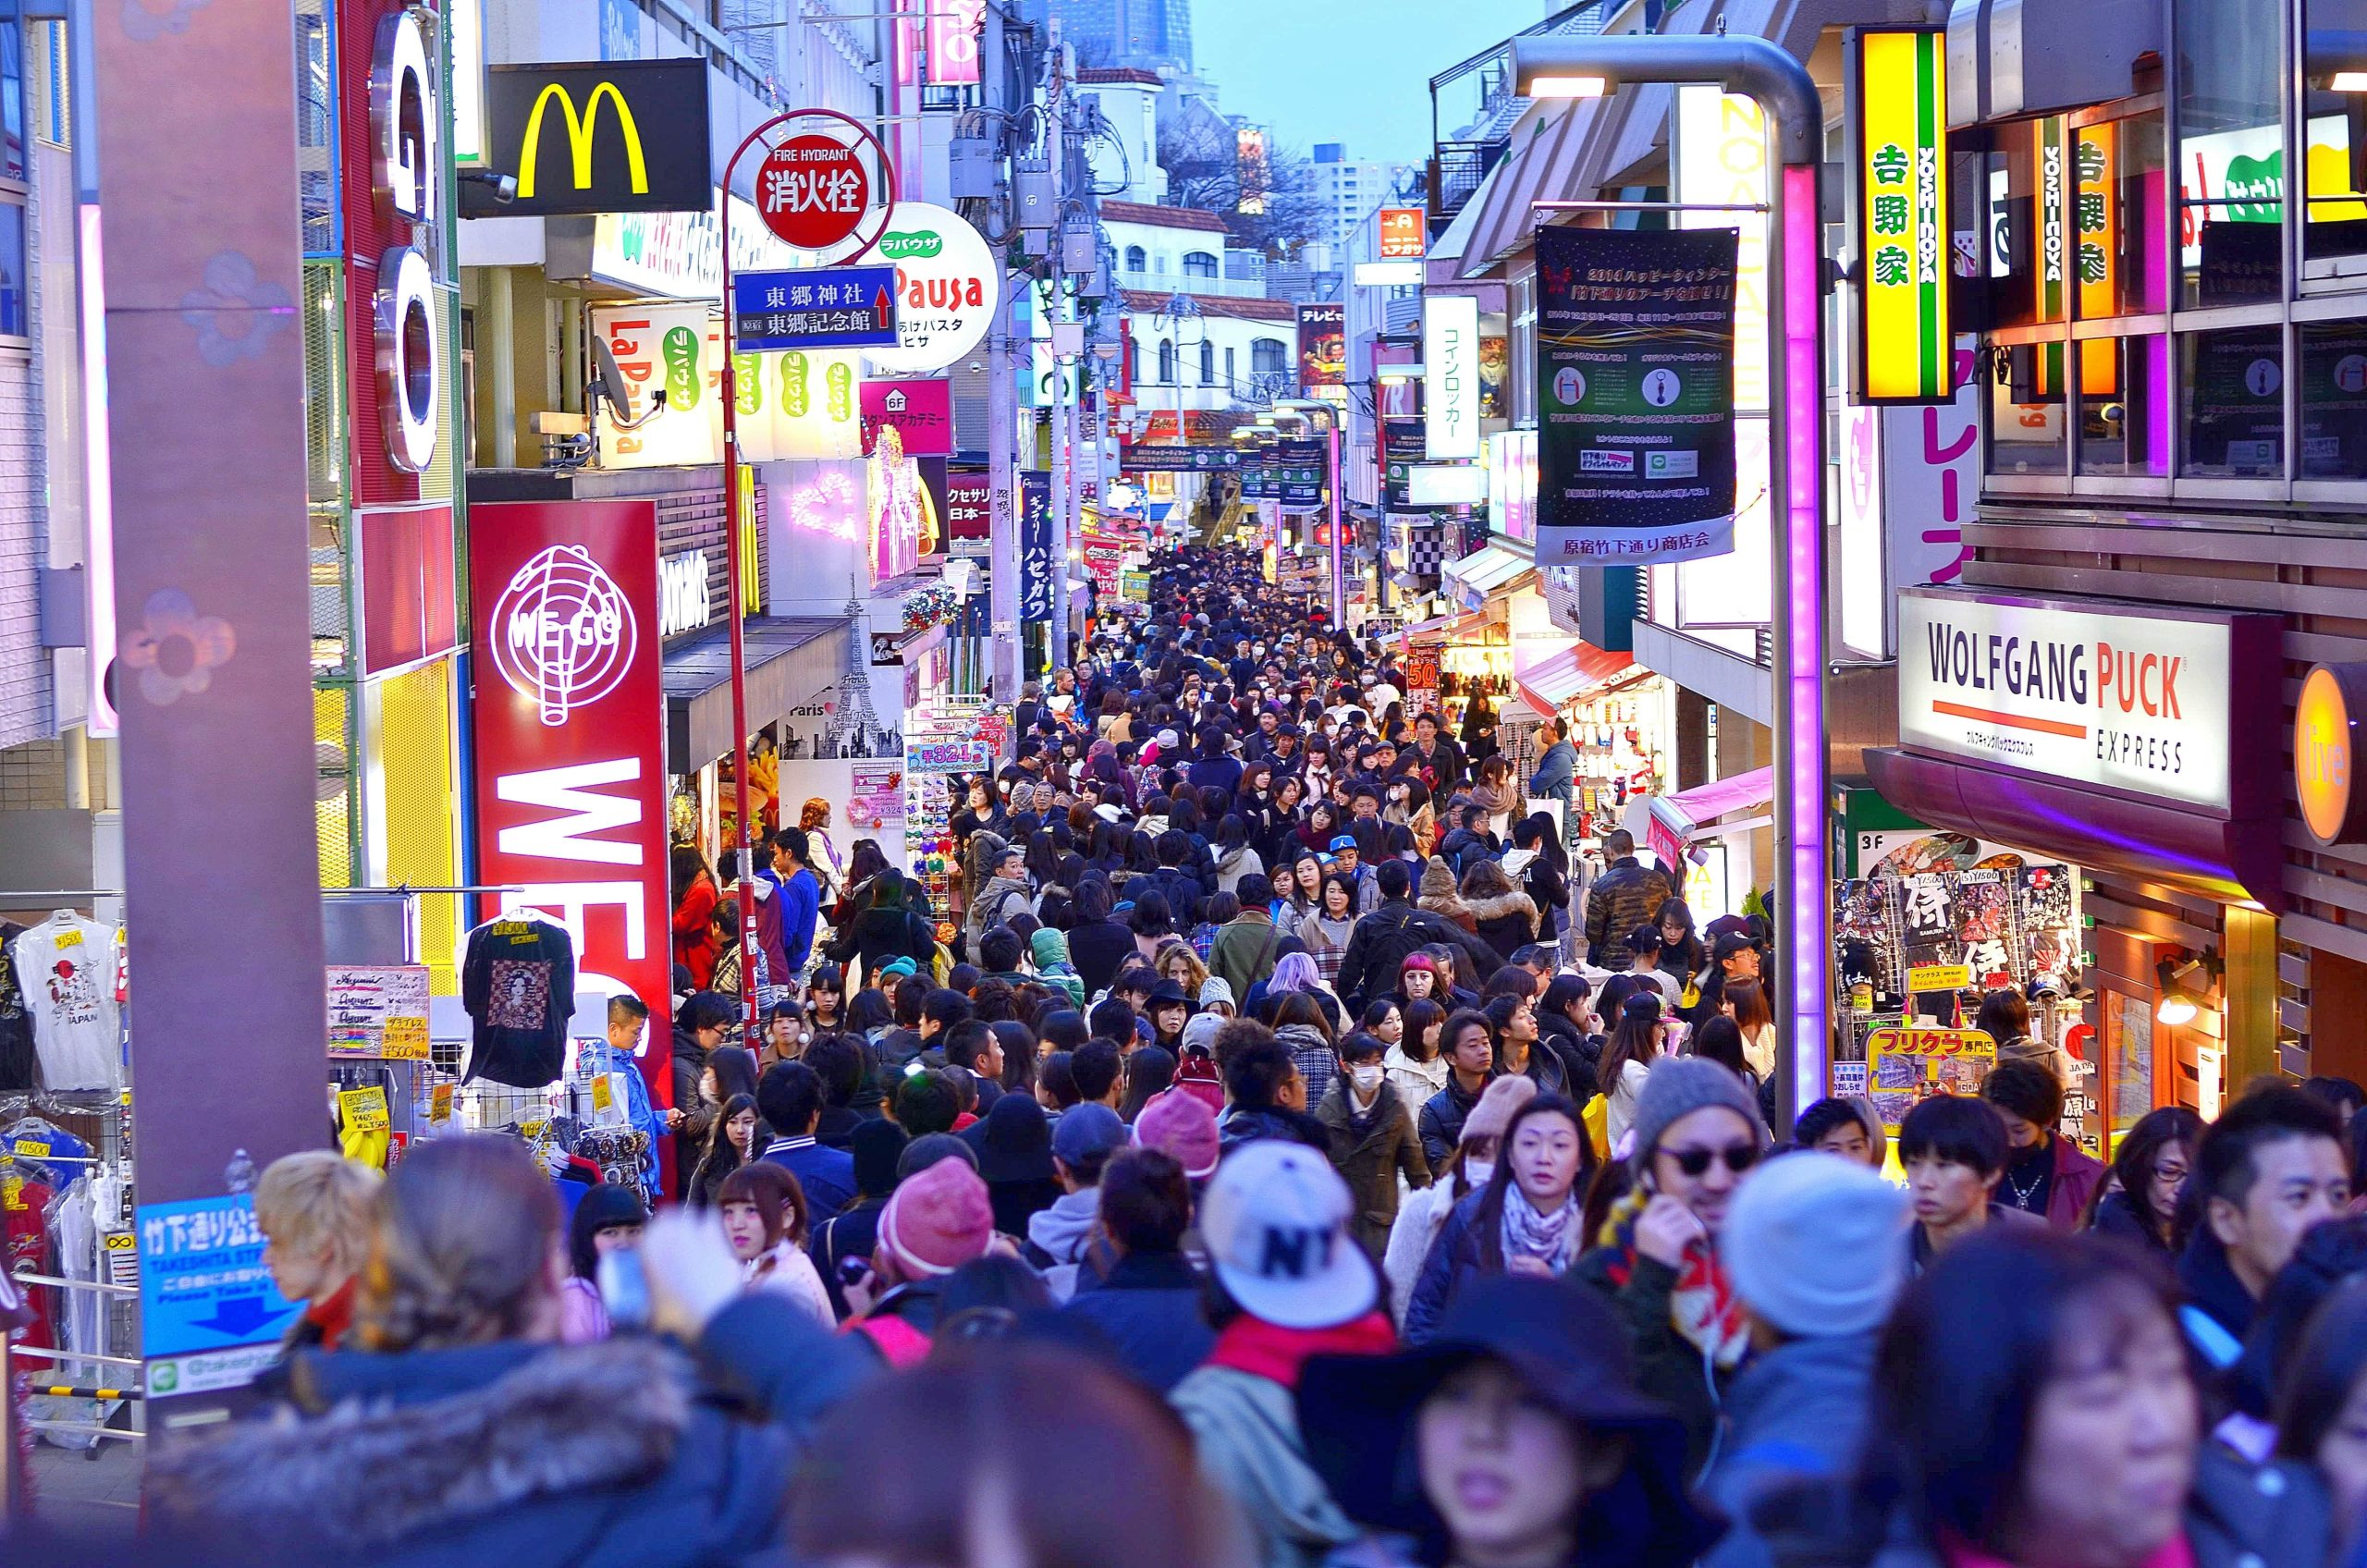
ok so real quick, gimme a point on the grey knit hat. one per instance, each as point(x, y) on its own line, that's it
point(1814, 1244)
point(1678, 1086)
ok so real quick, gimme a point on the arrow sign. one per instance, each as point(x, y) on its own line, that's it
point(239, 1317)
point(202, 1283)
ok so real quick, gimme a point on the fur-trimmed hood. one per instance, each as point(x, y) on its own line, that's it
point(1502, 906)
point(564, 1436)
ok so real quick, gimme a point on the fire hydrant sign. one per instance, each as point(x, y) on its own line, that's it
point(813, 192)
point(202, 1283)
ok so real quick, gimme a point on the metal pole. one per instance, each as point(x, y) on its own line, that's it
point(1380, 498)
point(1332, 486)
point(1056, 646)
point(1759, 69)
point(743, 869)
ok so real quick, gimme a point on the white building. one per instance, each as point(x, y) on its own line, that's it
point(1129, 154)
point(1349, 189)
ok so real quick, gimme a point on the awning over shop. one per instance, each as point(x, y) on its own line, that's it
point(1446, 629)
point(1487, 570)
point(2219, 857)
point(791, 660)
point(1551, 684)
point(1706, 802)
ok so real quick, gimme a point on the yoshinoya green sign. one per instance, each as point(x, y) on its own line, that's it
point(949, 286)
point(1635, 364)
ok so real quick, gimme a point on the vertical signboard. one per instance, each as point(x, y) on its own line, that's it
point(953, 29)
point(1322, 345)
point(1404, 234)
point(1636, 439)
point(1898, 174)
point(571, 736)
point(1909, 480)
point(1449, 376)
point(1722, 162)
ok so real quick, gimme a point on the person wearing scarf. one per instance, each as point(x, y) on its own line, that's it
point(1526, 1220)
point(1695, 1134)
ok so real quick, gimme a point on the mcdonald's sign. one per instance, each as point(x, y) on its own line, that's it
point(624, 136)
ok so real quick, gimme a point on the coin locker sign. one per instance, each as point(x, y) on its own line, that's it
point(1635, 364)
point(1898, 171)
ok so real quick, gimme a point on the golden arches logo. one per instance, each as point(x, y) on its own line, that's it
point(578, 136)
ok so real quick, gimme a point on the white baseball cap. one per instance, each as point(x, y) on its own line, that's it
point(1275, 1219)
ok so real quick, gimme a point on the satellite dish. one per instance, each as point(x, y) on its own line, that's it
point(611, 381)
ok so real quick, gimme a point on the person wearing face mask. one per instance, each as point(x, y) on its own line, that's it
point(1372, 1139)
point(1526, 1220)
point(1697, 1133)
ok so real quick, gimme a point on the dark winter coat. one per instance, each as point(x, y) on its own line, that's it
point(1442, 1121)
point(1099, 950)
point(1370, 1164)
point(1148, 1309)
point(880, 937)
point(1507, 923)
point(620, 1454)
point(1272, 1122)
point(1453, 1261)
point(1668, 1367)
point(1797, 1411)
point(1378, 945)
point(1628, 895)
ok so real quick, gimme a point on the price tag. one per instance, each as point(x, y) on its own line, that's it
point(405, 1038)
point(70, 938)
point(366, 1109)
point(603, 1098)
point(439, 1104)
point(32, 1147)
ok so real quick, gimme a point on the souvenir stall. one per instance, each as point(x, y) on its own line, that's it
point(1938, 923)
point(66, 1175)
point(947, 743)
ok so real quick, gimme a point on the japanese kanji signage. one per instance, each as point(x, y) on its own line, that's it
point(1899, 171)
point(826, 308)
point(1635, 407)
point(813, 190)
point(1403, 234)
point(1140, 459)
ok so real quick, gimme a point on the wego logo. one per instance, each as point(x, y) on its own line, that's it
point(579, 138)
point(563, 632)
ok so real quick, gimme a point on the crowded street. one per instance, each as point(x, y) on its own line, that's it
point(1168, 784)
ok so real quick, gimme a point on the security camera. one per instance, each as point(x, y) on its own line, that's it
point(502, 188)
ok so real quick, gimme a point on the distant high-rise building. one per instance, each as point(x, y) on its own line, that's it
point(1145, 35)
point(1349, 191)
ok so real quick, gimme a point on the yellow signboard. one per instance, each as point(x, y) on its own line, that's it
point(1905, 1064)
point(1899, 169)
point(1940, 977)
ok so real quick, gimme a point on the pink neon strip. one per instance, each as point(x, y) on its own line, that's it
point(1804, 910)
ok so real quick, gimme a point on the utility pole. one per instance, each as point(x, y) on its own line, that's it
point(1002, 484)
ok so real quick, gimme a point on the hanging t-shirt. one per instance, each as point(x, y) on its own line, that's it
point(17, 1058)
point(66, 967)
point(518, 984)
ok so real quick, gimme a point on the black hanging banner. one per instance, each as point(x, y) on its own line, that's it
point(1634, 367)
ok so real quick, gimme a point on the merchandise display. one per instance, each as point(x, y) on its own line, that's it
point(70, 973)
point(518, 983)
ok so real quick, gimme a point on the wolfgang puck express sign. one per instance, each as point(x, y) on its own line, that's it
point(2142, 700)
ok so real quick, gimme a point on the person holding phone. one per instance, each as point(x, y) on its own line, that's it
point(1696, 1135)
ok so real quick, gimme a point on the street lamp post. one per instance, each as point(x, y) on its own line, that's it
point(1754, 68)
point(1331, 413)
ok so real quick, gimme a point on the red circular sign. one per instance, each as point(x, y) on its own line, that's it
point(813, 192)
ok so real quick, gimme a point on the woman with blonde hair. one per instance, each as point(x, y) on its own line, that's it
point(1177, 961)
point(822, 859)
point(317, 1212)
point(624, 1451)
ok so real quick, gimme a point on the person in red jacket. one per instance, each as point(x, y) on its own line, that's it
point(2046, 1174)
point(694, 942)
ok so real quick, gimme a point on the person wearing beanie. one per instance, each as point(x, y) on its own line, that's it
point(1695, 1134)
point(853, 1231)
point(939, 1219)
point(1050, 950)
point(1289, 1283)
point(1423, 1213)
point(1813, 1245)
point(1179, 1123)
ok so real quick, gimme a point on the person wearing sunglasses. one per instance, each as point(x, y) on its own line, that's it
point(1696, 1135)
point(1526, 1220)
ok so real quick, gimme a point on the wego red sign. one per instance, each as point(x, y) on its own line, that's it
point(571, 736)
point(813, 192)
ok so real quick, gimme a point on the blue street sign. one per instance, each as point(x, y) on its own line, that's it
point(203, 1285)
point(823, 308)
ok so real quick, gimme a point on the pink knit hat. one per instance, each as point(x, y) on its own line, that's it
point(1177, 1123)
point(1494, 1115)
point(938, 1219)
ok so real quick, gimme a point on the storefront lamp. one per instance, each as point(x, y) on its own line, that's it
point(2175, 1009)
point(1756, 68)
point(2186, 984)
point(2348, 81)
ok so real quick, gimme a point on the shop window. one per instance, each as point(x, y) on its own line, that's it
point(2124, 407)
point(2231, 154)
point(2233, 393)
point(2334, 400)
point(2027, 428)
point(2024, 157)
point(1199, 263)
point(12, 269)
point(1228, 377)
point(2117, 188)
point(2334, 210)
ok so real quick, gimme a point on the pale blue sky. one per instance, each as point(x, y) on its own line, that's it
point(1356, 71)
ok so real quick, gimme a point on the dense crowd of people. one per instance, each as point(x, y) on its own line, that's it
point(1279, 1152)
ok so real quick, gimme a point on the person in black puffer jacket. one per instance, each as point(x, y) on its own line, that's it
point(889, 930)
